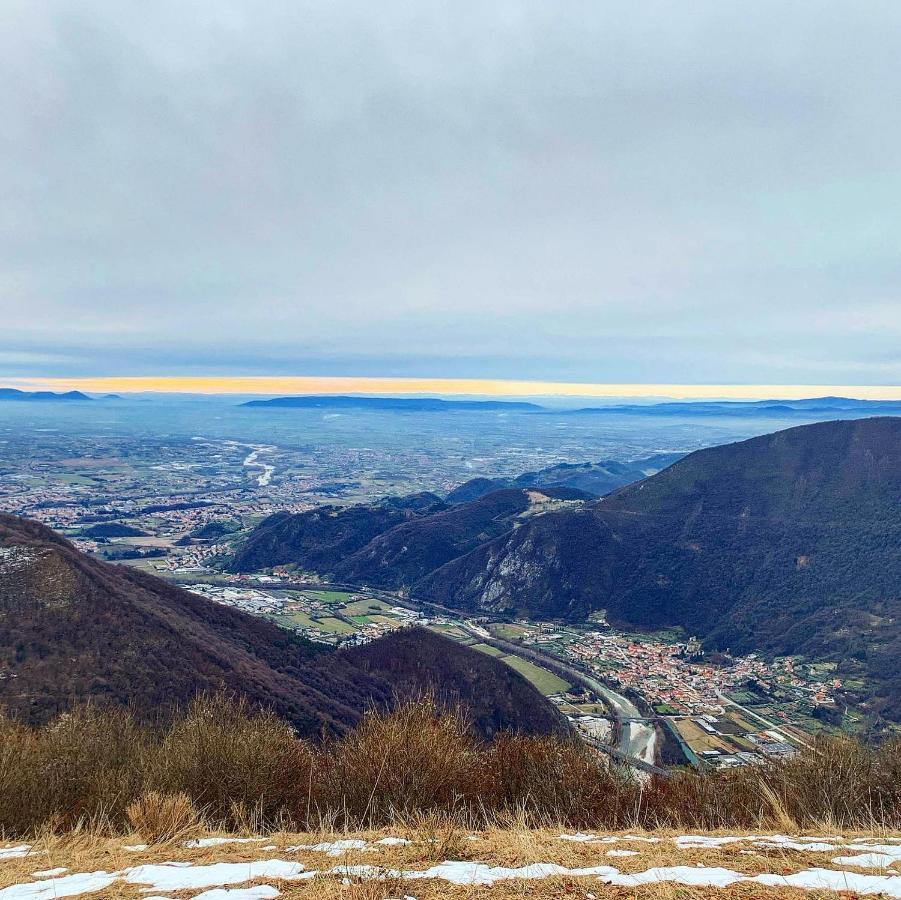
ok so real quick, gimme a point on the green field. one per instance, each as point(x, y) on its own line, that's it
point(365, 607)
point(300, 619)
point(546, 682)
point(487, 649)
point(336, 626)
point(509, 632)
point(448, 631)
point(329, 596)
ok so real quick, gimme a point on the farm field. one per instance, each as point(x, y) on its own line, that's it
point(546, 682)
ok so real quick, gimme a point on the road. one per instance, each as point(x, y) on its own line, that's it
point(637, 743)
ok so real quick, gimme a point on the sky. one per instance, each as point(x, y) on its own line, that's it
point(581, 192)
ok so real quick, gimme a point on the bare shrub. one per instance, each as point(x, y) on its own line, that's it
point(551, 780)
point(420, 765)
point(85, 767)
point(419, 758)
point(239, 764)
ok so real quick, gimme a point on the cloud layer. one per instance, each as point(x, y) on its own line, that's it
point(579, 191)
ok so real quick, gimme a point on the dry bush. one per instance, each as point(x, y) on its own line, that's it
point(85, 767)
point(551, 780)
point(159, 818)
point(840, 783)
point(837, 783)
point(242, 766)
point(419, 764)
point(707, 800)
point(418, 759)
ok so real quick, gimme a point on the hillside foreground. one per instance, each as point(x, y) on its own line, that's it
point(431, 859)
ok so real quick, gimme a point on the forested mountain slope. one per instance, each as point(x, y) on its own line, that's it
point(789, 542)
point(73, 629)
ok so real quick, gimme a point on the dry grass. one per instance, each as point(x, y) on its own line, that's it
point(159, 818)
point(419, 768)
point(86, 851)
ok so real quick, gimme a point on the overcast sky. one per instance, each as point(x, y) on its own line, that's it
point(587, 191)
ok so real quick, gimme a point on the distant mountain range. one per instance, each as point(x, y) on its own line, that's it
point(40, 396)
point(787, 543)
point(818, 407)
point(592, 479)
point(414, 404)
point(74, 629)
point(827, 407)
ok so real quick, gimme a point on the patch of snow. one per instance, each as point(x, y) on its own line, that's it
point(831, 880)
point(393, 842)
point(333, 848)
point(218, 841)
point(869, 860)
point(622, 853)
point(261, 892)
point(705, 876)
point(175, 877)
point(889, 849)
point(686, 841)
point(578, 838)
point(135, 848)
point(473, 873)
point(14, 852)
point(780, 841)
point(67, 886)
point(49, 873)
point(631, 837)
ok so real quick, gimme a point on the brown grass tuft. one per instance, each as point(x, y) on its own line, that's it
point(159, 818)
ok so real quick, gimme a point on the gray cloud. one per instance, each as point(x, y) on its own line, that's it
point(580, 190)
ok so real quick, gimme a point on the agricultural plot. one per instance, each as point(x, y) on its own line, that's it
point(546, 682)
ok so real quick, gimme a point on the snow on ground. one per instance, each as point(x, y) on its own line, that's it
point(335, 848)
point(184, 876)
point(234, 880)
point(218, 841)
point(261, 892)
point(880, 856)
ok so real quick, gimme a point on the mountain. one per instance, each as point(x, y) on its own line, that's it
point(321, 538)
point(40, 396)
point(587, 479)
point(402, 555)
point(74, 629)
point(789, 543)
point(408, 404)
point(819, 407)
point(392, 544)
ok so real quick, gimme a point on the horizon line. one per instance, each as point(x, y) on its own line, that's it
point(490, 387)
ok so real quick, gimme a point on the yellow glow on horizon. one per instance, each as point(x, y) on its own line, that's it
point(314, 384)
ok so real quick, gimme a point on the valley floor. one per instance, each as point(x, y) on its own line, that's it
point(436, 860)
